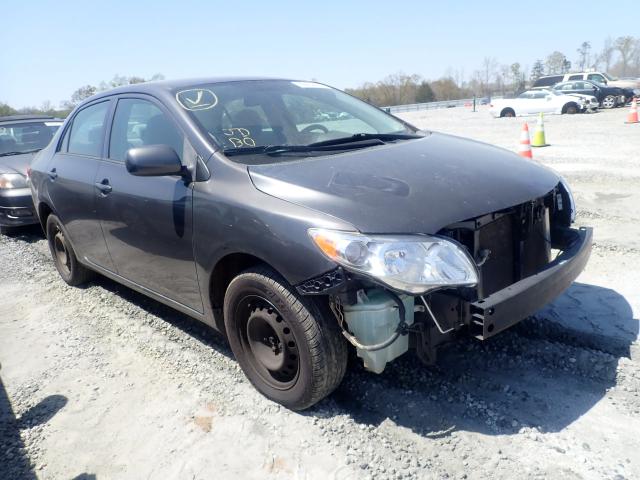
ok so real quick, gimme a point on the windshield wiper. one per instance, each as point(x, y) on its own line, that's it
point(5, 154)
point(358, 137)
point(278, 149)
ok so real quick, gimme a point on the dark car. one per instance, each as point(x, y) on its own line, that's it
point(547, 81)
point(609, 97)
point(295, 233)
point(21, 136)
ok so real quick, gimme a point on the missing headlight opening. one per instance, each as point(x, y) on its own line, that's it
point(514, 250)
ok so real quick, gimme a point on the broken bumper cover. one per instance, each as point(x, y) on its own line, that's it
point(510, 305)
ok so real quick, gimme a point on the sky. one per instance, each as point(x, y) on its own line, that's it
point(50, 48)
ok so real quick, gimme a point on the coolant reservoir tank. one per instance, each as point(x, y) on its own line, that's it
point(372, 320)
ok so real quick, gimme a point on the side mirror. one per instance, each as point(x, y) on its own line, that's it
point(153, 161)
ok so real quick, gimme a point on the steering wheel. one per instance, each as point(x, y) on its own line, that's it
point(314, 126)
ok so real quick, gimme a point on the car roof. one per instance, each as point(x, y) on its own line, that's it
point(26, 118)
point(162, 86)
point(577, 80)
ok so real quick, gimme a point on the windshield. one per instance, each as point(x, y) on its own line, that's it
point(608, 77)
point(261, 113)
point(24, 137)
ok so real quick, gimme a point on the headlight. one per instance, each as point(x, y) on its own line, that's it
point(572, 202)
point(412, 264)
point(12, 180)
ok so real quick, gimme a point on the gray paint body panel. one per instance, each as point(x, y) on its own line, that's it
point(414, 186)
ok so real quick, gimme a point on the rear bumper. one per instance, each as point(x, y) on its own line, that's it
point(510, 305)
point(16, 208)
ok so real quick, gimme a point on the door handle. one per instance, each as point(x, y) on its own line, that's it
point(53, 174)
point(104, 186)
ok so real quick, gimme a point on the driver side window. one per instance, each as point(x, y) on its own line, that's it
point(138, 123)
point(596, 77)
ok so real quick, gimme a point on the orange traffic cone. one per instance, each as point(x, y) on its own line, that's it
point(633, 113)
point(524, 150)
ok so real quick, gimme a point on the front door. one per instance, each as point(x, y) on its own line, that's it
point(148, 221)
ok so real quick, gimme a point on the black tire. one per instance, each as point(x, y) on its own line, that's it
point(570, 108)
point(63, 255)
point(6, 230)
point(289, 347)
point(508, 113)
point(610, 101)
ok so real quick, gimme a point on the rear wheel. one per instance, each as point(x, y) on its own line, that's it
point(63, 255)
point(508, 112)
point(570, 108)
point(287, 346)
point(609, 101)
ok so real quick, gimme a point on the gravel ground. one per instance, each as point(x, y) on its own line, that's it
point(103, 383)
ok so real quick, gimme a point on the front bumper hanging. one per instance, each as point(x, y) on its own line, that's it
point(508, 306)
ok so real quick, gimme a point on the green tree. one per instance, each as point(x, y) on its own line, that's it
point(6, 110)
point(537, 71)
point(424, 93)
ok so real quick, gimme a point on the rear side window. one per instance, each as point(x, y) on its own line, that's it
point(138, 123)
point(575, 77)
point(547, 81)
point(87, 130)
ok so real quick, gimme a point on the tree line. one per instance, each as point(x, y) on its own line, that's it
point(619, 57)
point(80, 94)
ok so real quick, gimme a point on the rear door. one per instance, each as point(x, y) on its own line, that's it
point(570, 87)
point(148, 221)
point(583, 88)
point(72, 173)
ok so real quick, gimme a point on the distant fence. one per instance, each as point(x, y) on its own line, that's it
point(414, 107)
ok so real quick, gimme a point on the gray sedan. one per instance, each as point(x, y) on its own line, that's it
point(21, 136)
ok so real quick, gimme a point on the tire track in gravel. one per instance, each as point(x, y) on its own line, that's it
point(485, 410)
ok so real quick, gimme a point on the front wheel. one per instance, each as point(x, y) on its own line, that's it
point(63, 254)
point(288, 346)
point(571, 109)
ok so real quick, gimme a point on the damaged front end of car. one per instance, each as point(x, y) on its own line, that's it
point(479, 276)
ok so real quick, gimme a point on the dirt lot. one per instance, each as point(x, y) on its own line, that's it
point(103, 383)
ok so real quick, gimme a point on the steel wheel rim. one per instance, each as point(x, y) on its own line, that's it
point(60, 250)
point(268, 342)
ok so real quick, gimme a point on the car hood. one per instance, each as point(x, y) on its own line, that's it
point(624, 83)
point(414, 186)
point(16, 163)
